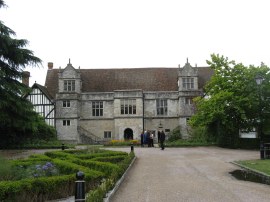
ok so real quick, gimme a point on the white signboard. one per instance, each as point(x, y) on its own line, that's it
point(246, 134)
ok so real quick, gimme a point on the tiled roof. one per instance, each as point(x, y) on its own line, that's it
point(108, 80)
point(43, 89)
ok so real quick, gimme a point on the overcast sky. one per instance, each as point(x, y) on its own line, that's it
point(139, 33)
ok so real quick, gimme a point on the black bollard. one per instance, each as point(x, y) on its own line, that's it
point(63, 147)
point(132, 147)
point(80, 187)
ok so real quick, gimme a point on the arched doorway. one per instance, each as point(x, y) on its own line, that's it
point(128, 134)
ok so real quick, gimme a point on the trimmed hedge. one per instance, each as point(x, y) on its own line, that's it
point(111, 159)
point(106, 168)
point(98, 194)
point(101, 168)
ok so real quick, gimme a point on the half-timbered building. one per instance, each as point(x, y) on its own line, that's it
point(43, 103)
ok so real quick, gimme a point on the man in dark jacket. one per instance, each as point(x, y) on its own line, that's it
point(162, 140)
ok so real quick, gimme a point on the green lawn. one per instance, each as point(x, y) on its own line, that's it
point(187, 143)
point(258, 165)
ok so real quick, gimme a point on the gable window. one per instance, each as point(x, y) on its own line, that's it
point(107, 134)
point(128, 106)
point(66, 122)
point(188, 83)
point(69, 85)
point(188, 101)
point(97, 108)
point(66, 103)
point(161, 107)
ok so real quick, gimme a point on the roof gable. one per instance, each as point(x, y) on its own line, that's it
point(188, 70)
point(69, 72)
point(44, 90)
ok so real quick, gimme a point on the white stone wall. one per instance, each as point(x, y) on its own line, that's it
point(184, 127)
point(123, 123)
point(150, 108)
point(67, 133)
point(97, 127)
point(118, 122)
point(86, 105)
point(173, 109)
point(67, 112)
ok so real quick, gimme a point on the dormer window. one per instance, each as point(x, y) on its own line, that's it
point(188, 83)
point(69, 85)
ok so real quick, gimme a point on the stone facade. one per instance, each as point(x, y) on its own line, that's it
point(89, 107)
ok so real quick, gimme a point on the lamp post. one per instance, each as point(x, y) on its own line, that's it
point(259, 79)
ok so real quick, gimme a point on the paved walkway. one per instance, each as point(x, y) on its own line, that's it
point(188, 174)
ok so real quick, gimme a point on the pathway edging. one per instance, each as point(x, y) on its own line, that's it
point(118, 183)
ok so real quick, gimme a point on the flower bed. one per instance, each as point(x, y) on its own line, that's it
point(122, 143)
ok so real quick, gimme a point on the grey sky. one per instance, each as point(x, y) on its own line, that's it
point(141, 33)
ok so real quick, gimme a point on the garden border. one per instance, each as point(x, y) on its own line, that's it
point(262, 175)
point(118, 183)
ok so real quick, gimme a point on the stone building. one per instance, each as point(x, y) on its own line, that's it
point(104, 104)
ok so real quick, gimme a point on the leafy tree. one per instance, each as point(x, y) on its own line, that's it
point(233, 100)
point(17, 116)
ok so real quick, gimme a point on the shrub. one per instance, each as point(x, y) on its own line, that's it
point(175, 135)
point(200, 134)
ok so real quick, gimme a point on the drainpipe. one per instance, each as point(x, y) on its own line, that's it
point(143, 110)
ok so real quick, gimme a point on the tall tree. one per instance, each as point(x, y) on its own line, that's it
point(17, 113)
point(233, 99)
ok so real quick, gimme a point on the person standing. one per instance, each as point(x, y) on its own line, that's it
point(158, 136)
point(142, 139)
point(162, 140)
point(151, 139)
point(148, 138)
point(145, 137)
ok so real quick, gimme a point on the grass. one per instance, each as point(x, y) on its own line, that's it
point(258, 165)
point(43, 144)
point(188, 143)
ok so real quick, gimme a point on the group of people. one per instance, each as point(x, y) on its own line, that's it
point(147, 138)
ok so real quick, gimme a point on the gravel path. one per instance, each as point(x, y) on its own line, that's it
point(189, 175)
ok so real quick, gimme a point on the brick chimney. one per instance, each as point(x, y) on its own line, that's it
point(25, 78)
point(50, 65)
